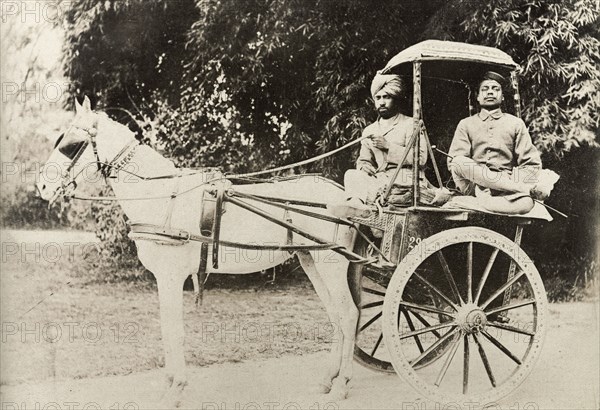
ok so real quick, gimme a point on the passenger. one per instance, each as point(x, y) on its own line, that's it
point(492, 155)
point(382, 150)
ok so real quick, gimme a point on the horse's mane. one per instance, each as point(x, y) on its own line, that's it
point(112, 125)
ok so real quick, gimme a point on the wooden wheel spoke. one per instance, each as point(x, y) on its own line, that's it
point(370, 322)
point(500, 346)
point(485, 361)
point(466, 365)
point(373, 291)
point(470, 272)
point(448, 361)
point(377, 344)
point(426, 330)
point(436, 291)
point(372, 304)
point(502, 289)
point(449, 276)
point(511, 306)
point(434, 346)
point(425, 308)
point(411, 326)
point(486, 273)
point(511, 328)
point(426, 323)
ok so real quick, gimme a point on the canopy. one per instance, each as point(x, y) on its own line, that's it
point(450, 50)
point(451, 60)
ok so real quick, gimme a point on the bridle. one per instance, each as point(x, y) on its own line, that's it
point(69, 184)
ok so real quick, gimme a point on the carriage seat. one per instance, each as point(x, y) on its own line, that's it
point(472, 203)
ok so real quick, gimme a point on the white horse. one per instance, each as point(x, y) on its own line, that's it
point(175, 204)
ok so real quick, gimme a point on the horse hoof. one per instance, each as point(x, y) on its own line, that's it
point(338, 394)
point(323, 387)
point(339, 390)
point(172, 397)
point(169, 401)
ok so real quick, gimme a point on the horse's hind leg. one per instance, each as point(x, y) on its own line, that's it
point(331, 284)
point(335, 269)
point(333, 367)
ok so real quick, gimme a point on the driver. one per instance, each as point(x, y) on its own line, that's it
point(382, 149)
point(492, 155)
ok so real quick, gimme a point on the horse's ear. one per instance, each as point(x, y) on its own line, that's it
point(77, 106)
point(87, 106)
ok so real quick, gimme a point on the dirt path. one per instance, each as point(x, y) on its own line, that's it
point(566, 377)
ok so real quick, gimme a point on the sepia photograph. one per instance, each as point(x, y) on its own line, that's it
point(300, 204)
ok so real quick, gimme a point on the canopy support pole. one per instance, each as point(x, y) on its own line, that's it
point(417, 117)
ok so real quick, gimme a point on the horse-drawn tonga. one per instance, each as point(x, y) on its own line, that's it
point(448, 301)
point(454, 281)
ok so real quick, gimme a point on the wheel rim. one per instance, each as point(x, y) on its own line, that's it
point(493, 306)
point(369, 349)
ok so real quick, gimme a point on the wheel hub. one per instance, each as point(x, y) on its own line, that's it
point(471, 318)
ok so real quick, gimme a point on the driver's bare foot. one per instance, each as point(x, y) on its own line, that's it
point(545, 184)
point(349, 208)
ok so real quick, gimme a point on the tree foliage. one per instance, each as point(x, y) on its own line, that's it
point(118, 52)
point(281, 77)
point(557, 44)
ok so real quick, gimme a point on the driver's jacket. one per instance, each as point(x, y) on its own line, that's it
point(398, 136)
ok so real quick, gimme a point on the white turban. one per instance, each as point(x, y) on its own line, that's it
point(391, 83)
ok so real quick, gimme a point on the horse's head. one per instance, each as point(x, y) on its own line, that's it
point(92, 141)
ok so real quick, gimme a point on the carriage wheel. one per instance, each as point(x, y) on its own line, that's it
point(494, 305)
point(370, 349)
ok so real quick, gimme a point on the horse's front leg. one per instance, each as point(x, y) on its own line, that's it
point(170, 294)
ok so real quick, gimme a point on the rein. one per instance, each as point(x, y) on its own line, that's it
point(306, 161)
point(110, 166)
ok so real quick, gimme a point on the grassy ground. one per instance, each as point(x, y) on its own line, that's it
point(60, 321)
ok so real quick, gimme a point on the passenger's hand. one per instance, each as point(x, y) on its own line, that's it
point(368, 169)
point(380, 142)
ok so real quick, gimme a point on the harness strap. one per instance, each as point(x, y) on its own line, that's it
point(288, 218)
point(201, 275)
point(171, 205)
point(122, 158)
point(216, 231)
point(185, 236)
